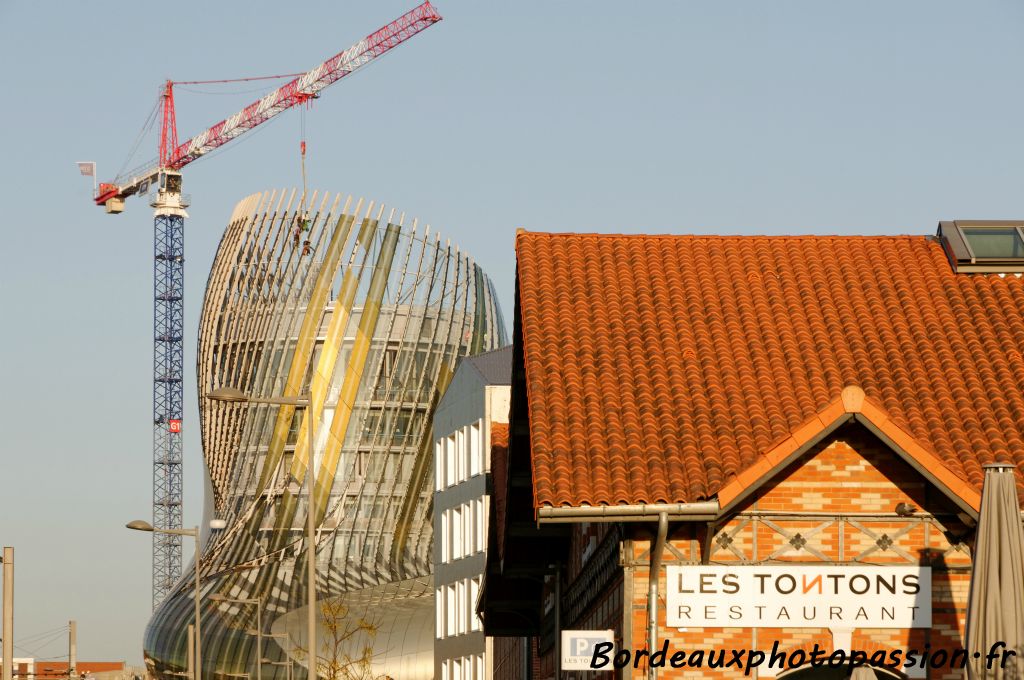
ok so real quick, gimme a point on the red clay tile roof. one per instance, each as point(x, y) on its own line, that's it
point(659, 368)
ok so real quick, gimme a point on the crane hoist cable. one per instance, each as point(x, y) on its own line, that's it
point(303, 225)
point(146, 127)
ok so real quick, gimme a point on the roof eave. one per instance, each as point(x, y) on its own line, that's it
point(648, 512)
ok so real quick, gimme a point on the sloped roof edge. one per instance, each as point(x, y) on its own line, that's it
point(851, 404)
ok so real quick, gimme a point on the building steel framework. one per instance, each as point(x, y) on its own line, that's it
point(163, 174)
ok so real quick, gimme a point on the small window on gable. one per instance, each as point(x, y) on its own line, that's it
point(984, 246)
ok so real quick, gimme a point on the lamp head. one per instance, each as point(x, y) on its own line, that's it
point(139, 525)
point(228, 394)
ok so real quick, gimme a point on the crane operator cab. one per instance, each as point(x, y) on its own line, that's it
point(168, 198)
point(170, 181)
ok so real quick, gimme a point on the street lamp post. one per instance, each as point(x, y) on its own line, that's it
point(191, 665)
point(141, 525)
point(231, 395)
point(8, 615)
point(288, 652)
point(217, 597)
point(287, 665)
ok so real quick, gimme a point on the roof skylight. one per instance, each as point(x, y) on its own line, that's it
point(992, 246)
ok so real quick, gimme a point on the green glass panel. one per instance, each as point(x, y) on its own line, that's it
point(994, 242)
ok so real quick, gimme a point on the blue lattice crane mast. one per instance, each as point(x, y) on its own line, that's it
point(164, 175)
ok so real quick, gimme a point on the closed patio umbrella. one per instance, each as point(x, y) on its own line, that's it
point(995, 607)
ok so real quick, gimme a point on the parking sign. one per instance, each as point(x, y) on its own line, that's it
point(578, 648)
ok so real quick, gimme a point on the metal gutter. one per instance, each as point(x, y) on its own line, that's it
point(701, 511)
point(661, 513)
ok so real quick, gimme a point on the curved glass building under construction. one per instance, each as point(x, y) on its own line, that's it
point(367, 314)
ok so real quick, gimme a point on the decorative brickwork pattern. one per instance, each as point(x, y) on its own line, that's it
point(840, 482)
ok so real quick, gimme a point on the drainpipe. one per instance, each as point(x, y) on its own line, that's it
point(558, 620)
point(652, 596)
point(660, 512)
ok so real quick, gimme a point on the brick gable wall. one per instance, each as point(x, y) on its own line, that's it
point(827, 497)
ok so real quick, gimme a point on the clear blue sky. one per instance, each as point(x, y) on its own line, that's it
point(728, 117)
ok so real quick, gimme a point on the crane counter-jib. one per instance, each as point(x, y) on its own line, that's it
point(295, 92)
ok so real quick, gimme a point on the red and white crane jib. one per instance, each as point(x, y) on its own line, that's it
point(291, 94)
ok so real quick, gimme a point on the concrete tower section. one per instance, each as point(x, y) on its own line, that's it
point(368, 313)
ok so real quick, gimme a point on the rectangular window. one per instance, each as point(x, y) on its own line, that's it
point(474, 594)
point(341, 545)
point(984, 246)
point(450, 611)
point(461, 604)
point(457, 533)
point(444, 537)
point(471, 533)
point(481, 523)
point(460, 453)
point(355, 545)
point(994, 242)
point(439, 612)
point(453, 533)
point(388, 361)
point(374, 422)
point(451, 474)
point(375, 465)
point(397, 470)
point(446, 671)
point(438, 465)
point(479, 666)
point(475, 459)
point(406, 425)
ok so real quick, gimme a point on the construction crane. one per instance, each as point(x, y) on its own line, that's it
point(164, 176)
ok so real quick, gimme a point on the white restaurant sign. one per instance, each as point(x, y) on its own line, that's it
point(798, 596)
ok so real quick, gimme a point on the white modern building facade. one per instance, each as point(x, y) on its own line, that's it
point(477, 396)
